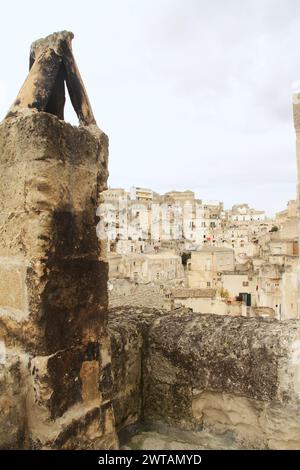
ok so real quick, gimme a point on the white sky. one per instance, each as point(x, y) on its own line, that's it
point(194, 94)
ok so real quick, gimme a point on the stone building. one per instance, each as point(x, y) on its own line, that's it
point(116, 267)
point(141, 194)
point(206, 264)
point(127, 247)
point(277, 287)
point(237, 282)
point(114, 195)
point(289, 213)
point(181, 197)
point(145, 215)
point(277, 270)
point(147, 267)
point(203, 301)
point(243, 213)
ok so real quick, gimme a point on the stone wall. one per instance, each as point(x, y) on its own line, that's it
point(227, 375)
point(125, 292)
point(129, 330)
point(56, 373)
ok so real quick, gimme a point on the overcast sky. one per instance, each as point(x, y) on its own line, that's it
point(194, 94)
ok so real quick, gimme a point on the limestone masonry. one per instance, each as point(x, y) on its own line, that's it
point(56, 381)
point(234, 377)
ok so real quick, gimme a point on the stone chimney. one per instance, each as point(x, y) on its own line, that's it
point(55, 371)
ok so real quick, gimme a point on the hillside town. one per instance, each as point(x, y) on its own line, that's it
point(175, 251)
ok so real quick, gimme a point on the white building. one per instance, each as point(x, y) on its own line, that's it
point(243, 213)
point(141, 194)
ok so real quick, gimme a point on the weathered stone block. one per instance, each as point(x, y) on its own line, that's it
point(64, 379)
point(73, 303)
point(51, 223)
point(254, 423)
point(41, 137)
point(249, 357)
point(25, 235)
point(12, 403)
point(222, 374)
point(85, 427)
point(12, 187)
point(128, 328)
point(12, 284)
point(53, 285)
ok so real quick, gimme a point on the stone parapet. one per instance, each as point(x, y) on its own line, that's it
point(208, 372)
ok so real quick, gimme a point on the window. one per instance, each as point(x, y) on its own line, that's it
point(245, 283)
point(208, 284)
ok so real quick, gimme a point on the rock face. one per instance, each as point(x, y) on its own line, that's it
point(55, 371)
point(213, 373)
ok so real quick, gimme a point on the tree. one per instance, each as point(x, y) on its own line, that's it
point(224, 293)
